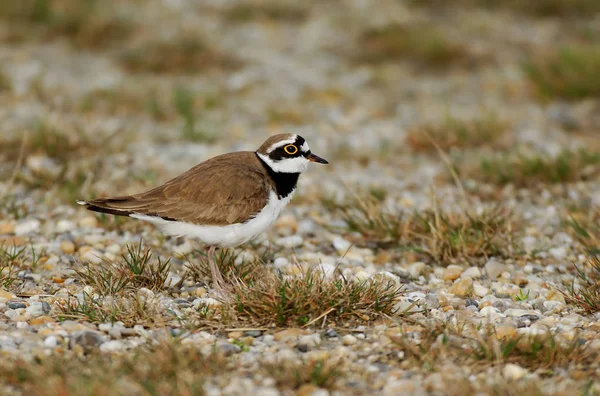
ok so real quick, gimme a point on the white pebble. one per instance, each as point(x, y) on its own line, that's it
point(513, 372)
point(51, 342)
point(341, 245)
point(349, 339)
point(326, 269)
point(112, 346)
point(290, 241)
point(65, 226)
point(27, 227)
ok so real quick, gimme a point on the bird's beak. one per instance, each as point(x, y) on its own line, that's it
point(315, 158)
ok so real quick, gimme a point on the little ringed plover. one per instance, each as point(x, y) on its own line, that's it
point(224, 201)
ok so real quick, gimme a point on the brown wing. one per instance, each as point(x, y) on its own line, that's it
point(227, 189)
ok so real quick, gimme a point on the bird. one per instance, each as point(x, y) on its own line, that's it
point(224, 201)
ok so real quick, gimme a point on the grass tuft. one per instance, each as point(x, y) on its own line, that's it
point(293, 375)
point(184, 54)
point(569, 73)
point(89, 24)
point(532, 169)
point(269, 298)
point(166, 369)
point(440, 235)
point(134, 271)
point(454, 133)
point(267, 11)
point(424, 44)
point(587, 296)
point(184, 101)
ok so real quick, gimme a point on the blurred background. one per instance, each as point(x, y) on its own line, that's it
point(104, 97)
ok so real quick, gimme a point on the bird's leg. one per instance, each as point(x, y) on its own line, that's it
point(217, 278)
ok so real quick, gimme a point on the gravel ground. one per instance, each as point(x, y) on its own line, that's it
point(83, 114)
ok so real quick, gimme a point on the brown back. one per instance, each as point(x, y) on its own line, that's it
point(227, 189)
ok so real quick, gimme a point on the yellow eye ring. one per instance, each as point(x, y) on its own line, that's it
point(291, 149)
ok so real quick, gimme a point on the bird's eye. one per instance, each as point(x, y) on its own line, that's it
point(291, 149)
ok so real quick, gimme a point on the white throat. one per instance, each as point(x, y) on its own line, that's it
point(286, 165)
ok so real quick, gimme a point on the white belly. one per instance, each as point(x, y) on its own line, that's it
point(224, 236)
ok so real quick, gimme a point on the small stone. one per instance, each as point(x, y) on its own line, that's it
point(341, 245)
point(235, 335)
point(494, 269)
point(302, 348)
point(65, 226)
point(253, 333)
point(7, 228)
point(480, 290)
point(51, 342)
point(35, 309)
point(287, 223)
point(400, 387)
point(349, 339)
point(41, 320)
point(228, 349)
point(290, 241)
point(289, 333)
point(331, 333)
point(89, 222)
point(16, 304)
point(67, 247)
point(417, 269)
point(27, 227)
point(6, 295)
point(310, 340)
point(46, 308)
point(472, 272)
point(452, 272)
point(88, 340)
point(91, 256)
point(513, 372)
point(558, 253)
point(462, 287)
point(112, 346)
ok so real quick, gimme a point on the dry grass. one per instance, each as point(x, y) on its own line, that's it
point(454, 133)
point(569, 73)
point(531, 169)
point(133, 272)
point(183, 54)
point(167, 369)
point(440, 235)
point(537, 8)
point(587, 296)
point(89, 24)
point(425, 45)
point(130, 309)
point(267, 11)
point(264, 297)
point(481, 347)
point(303, 299)
point(292, 375)
point(10, 258)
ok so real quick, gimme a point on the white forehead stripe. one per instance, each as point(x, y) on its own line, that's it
point(304, 147)
point(282, 143)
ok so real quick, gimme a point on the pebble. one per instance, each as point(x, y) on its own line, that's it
point(331, 333)
point(494, 269)
point(16, 304)
point(417, 269)
point(341, 245)
point(112, 346)
point(27, 227)
point(290, 241)
point(65, 226)
point(51, 342)
point(88, 340)
point(480, 290)
point(289, 333)
point(89, 222)
point(462, 287)
point(472, 272)
point(513, 372)
point(349, 339)
point(228, 349)
point(67, 247)
point(452, 272)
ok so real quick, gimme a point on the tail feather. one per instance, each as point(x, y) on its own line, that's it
point(107, 205)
